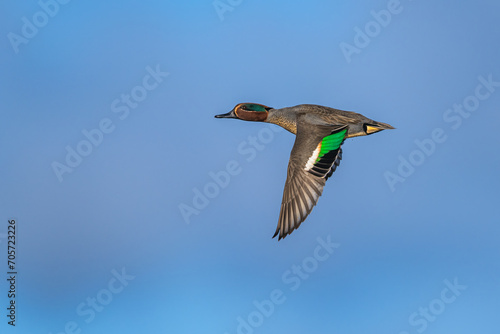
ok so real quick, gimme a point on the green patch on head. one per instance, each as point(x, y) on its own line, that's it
point(331, 143)
point(254, 107)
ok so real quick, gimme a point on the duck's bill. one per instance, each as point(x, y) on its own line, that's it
point(227, 115)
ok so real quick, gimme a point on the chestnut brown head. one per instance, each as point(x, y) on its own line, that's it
point(248, 112)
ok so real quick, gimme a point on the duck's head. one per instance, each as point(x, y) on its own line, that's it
point(248, 112)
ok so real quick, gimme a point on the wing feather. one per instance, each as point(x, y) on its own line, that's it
point(311, 164)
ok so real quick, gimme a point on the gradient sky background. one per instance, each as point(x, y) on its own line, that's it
point(120, 207)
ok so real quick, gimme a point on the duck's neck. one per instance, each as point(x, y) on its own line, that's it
point(283, 117)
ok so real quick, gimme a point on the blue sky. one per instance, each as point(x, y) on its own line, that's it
point(102, 244)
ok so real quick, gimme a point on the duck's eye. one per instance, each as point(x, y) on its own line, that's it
point(244, 107)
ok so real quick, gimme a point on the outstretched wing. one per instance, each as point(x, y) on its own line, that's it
point(315, 156)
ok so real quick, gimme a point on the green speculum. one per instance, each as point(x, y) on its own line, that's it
point(331, 142)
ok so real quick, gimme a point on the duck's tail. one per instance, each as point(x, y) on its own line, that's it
point(374, 127)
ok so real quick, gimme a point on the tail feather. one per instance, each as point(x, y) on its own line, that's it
point(374, 127)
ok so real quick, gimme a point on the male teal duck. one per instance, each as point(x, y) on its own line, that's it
point(320, 132)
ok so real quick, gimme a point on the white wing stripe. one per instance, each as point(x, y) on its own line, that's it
point(312, 158)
